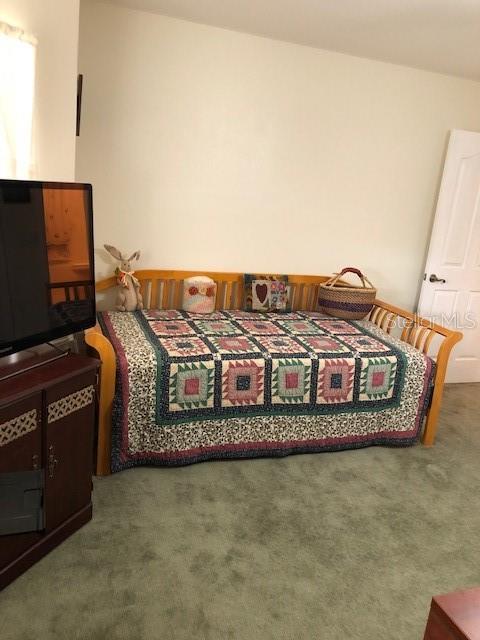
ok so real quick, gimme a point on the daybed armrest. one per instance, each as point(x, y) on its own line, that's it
point(419, 333)
point(103, 348)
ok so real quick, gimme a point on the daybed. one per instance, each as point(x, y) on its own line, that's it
point(177, 388)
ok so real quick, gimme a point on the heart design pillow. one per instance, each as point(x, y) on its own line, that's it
point(261, 290)
point(266, 293)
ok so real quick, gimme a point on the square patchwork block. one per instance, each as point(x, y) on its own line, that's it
point(280, 344)
point(242, 382)
point(316, 315)
point(365, 344)
point(185, 346)
point(260, 327)
point(377, 378)
point(291, 315)
point(191, 386)
point(171, 328)
point(291, 381)
point(234, 344)
point(216, 327)
point(162, 314)
point(337, 327)
point(240, 314)
point(216, 315)
point(335, 380)
point(324, 344)
point(299, 327)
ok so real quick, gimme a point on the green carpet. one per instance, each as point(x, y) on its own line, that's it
point(325, 546)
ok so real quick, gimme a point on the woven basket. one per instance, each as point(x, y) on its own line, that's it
point(347, 301)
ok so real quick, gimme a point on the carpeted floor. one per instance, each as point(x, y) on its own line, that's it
point(325, 547)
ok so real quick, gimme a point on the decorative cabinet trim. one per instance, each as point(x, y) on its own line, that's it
point(71, 403)
point(18, 427)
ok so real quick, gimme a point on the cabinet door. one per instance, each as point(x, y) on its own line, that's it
point(69, 448)
point(20, 435)
point(20, 452)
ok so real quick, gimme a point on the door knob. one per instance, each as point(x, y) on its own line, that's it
point(433, 278)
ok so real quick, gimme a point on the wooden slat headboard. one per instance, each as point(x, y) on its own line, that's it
point(162, 289)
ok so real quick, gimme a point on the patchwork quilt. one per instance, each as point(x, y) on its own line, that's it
point(236, 384)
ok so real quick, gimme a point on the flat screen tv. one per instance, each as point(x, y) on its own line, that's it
point(47, 286)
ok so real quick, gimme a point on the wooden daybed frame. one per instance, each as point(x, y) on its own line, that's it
point(162, 289)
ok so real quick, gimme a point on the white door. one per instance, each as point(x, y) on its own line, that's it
point(450, 293)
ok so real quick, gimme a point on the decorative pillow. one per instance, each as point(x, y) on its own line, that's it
point(199, 294)
point(266, 293)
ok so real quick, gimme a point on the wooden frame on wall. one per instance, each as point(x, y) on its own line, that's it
point(79, 103)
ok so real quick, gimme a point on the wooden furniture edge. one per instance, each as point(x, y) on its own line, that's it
point(102, 346)
point(456, 613)
point(173, 274)
point(418, 332)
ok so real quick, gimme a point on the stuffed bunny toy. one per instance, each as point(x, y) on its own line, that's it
point(129, 297)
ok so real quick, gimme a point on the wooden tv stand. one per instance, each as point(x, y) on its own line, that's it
point(454, 616)
point(47, 424)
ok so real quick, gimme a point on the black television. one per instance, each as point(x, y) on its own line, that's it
point(47, 282)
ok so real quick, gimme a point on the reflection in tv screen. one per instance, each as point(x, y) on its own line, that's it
point(47, 283)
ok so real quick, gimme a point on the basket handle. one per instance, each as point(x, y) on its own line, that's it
point(332, 282)
point(351, 270)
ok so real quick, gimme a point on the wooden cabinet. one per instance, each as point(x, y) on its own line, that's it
point(454, 616)
point(47, 420)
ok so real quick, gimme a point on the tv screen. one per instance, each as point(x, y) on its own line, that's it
point(47, 286)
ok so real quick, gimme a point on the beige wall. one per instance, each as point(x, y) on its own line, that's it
point(219, 150)
point(55, 24)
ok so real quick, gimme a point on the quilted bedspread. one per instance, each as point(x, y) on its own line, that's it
point(236, 384)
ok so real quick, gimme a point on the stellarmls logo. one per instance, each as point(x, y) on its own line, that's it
point(454, 321)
